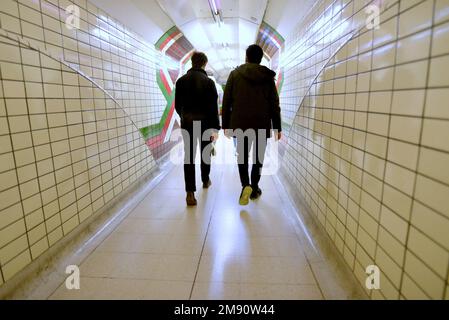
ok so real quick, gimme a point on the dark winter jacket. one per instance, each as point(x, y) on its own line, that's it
point(251, 100)
point(196, 99)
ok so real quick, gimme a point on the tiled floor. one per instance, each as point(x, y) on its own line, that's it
point(218, 250)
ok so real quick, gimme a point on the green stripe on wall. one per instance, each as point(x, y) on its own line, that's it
point(156, 129)
point(278, 35)
point(165, 37)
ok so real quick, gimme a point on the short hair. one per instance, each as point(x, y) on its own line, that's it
point(254, 54)
point(199, 60)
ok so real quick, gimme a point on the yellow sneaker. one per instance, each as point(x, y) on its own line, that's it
point(244, 196)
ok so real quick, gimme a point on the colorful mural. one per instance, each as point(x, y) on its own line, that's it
point(178, 50)
point(272, 44)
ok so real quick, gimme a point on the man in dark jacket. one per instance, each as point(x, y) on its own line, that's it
point(251, 104)
point(197, 105)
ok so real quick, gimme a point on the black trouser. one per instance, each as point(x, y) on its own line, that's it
point(191, 141)
point(258, 142)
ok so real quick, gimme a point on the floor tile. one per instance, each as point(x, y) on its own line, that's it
point(234, 291)
point(216, 291)
point(120, 265)
point(125, 289)
point(222, 250)
point(134, 243)
point(256, 270)
point(253, 246)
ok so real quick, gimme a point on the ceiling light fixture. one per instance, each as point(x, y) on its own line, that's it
point(216, 10)
point(213, 6)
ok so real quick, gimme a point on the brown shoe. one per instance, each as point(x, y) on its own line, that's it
point(191, 201)
point(207, 184)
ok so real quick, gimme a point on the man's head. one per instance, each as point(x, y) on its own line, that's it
point(254, 54)
point(199, 60)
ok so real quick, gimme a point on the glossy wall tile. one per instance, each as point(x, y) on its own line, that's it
point(368, 148)
point(72, 102)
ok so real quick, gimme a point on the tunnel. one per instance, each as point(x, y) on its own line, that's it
point(355, 194)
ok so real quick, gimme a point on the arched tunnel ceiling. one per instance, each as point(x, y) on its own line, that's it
point(224, 45)
point(144, 17)
point(285, 15)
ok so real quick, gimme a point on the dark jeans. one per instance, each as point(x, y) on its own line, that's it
point(259, 145)
point(190, 149)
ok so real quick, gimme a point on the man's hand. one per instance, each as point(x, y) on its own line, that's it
point(214, 137)
point(278, 136)
point(228, 133)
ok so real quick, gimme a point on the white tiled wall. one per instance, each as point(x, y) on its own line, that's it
point(117, 59)
point(66, 147)
point(327, 27)
point(368, 149)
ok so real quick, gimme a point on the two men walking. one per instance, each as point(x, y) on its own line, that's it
point(250, 111)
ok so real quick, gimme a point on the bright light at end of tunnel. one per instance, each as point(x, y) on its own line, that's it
point(223, 33)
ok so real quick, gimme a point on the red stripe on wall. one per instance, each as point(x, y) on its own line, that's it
point(165, 82)
point(158, 140)
point(172, 36)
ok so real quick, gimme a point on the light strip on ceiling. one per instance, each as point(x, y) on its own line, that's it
point(215, 8)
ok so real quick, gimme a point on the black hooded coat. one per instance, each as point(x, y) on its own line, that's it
point(251, 100)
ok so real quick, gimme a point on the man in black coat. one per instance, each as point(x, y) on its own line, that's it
point(251, 105)
point(196, 102)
